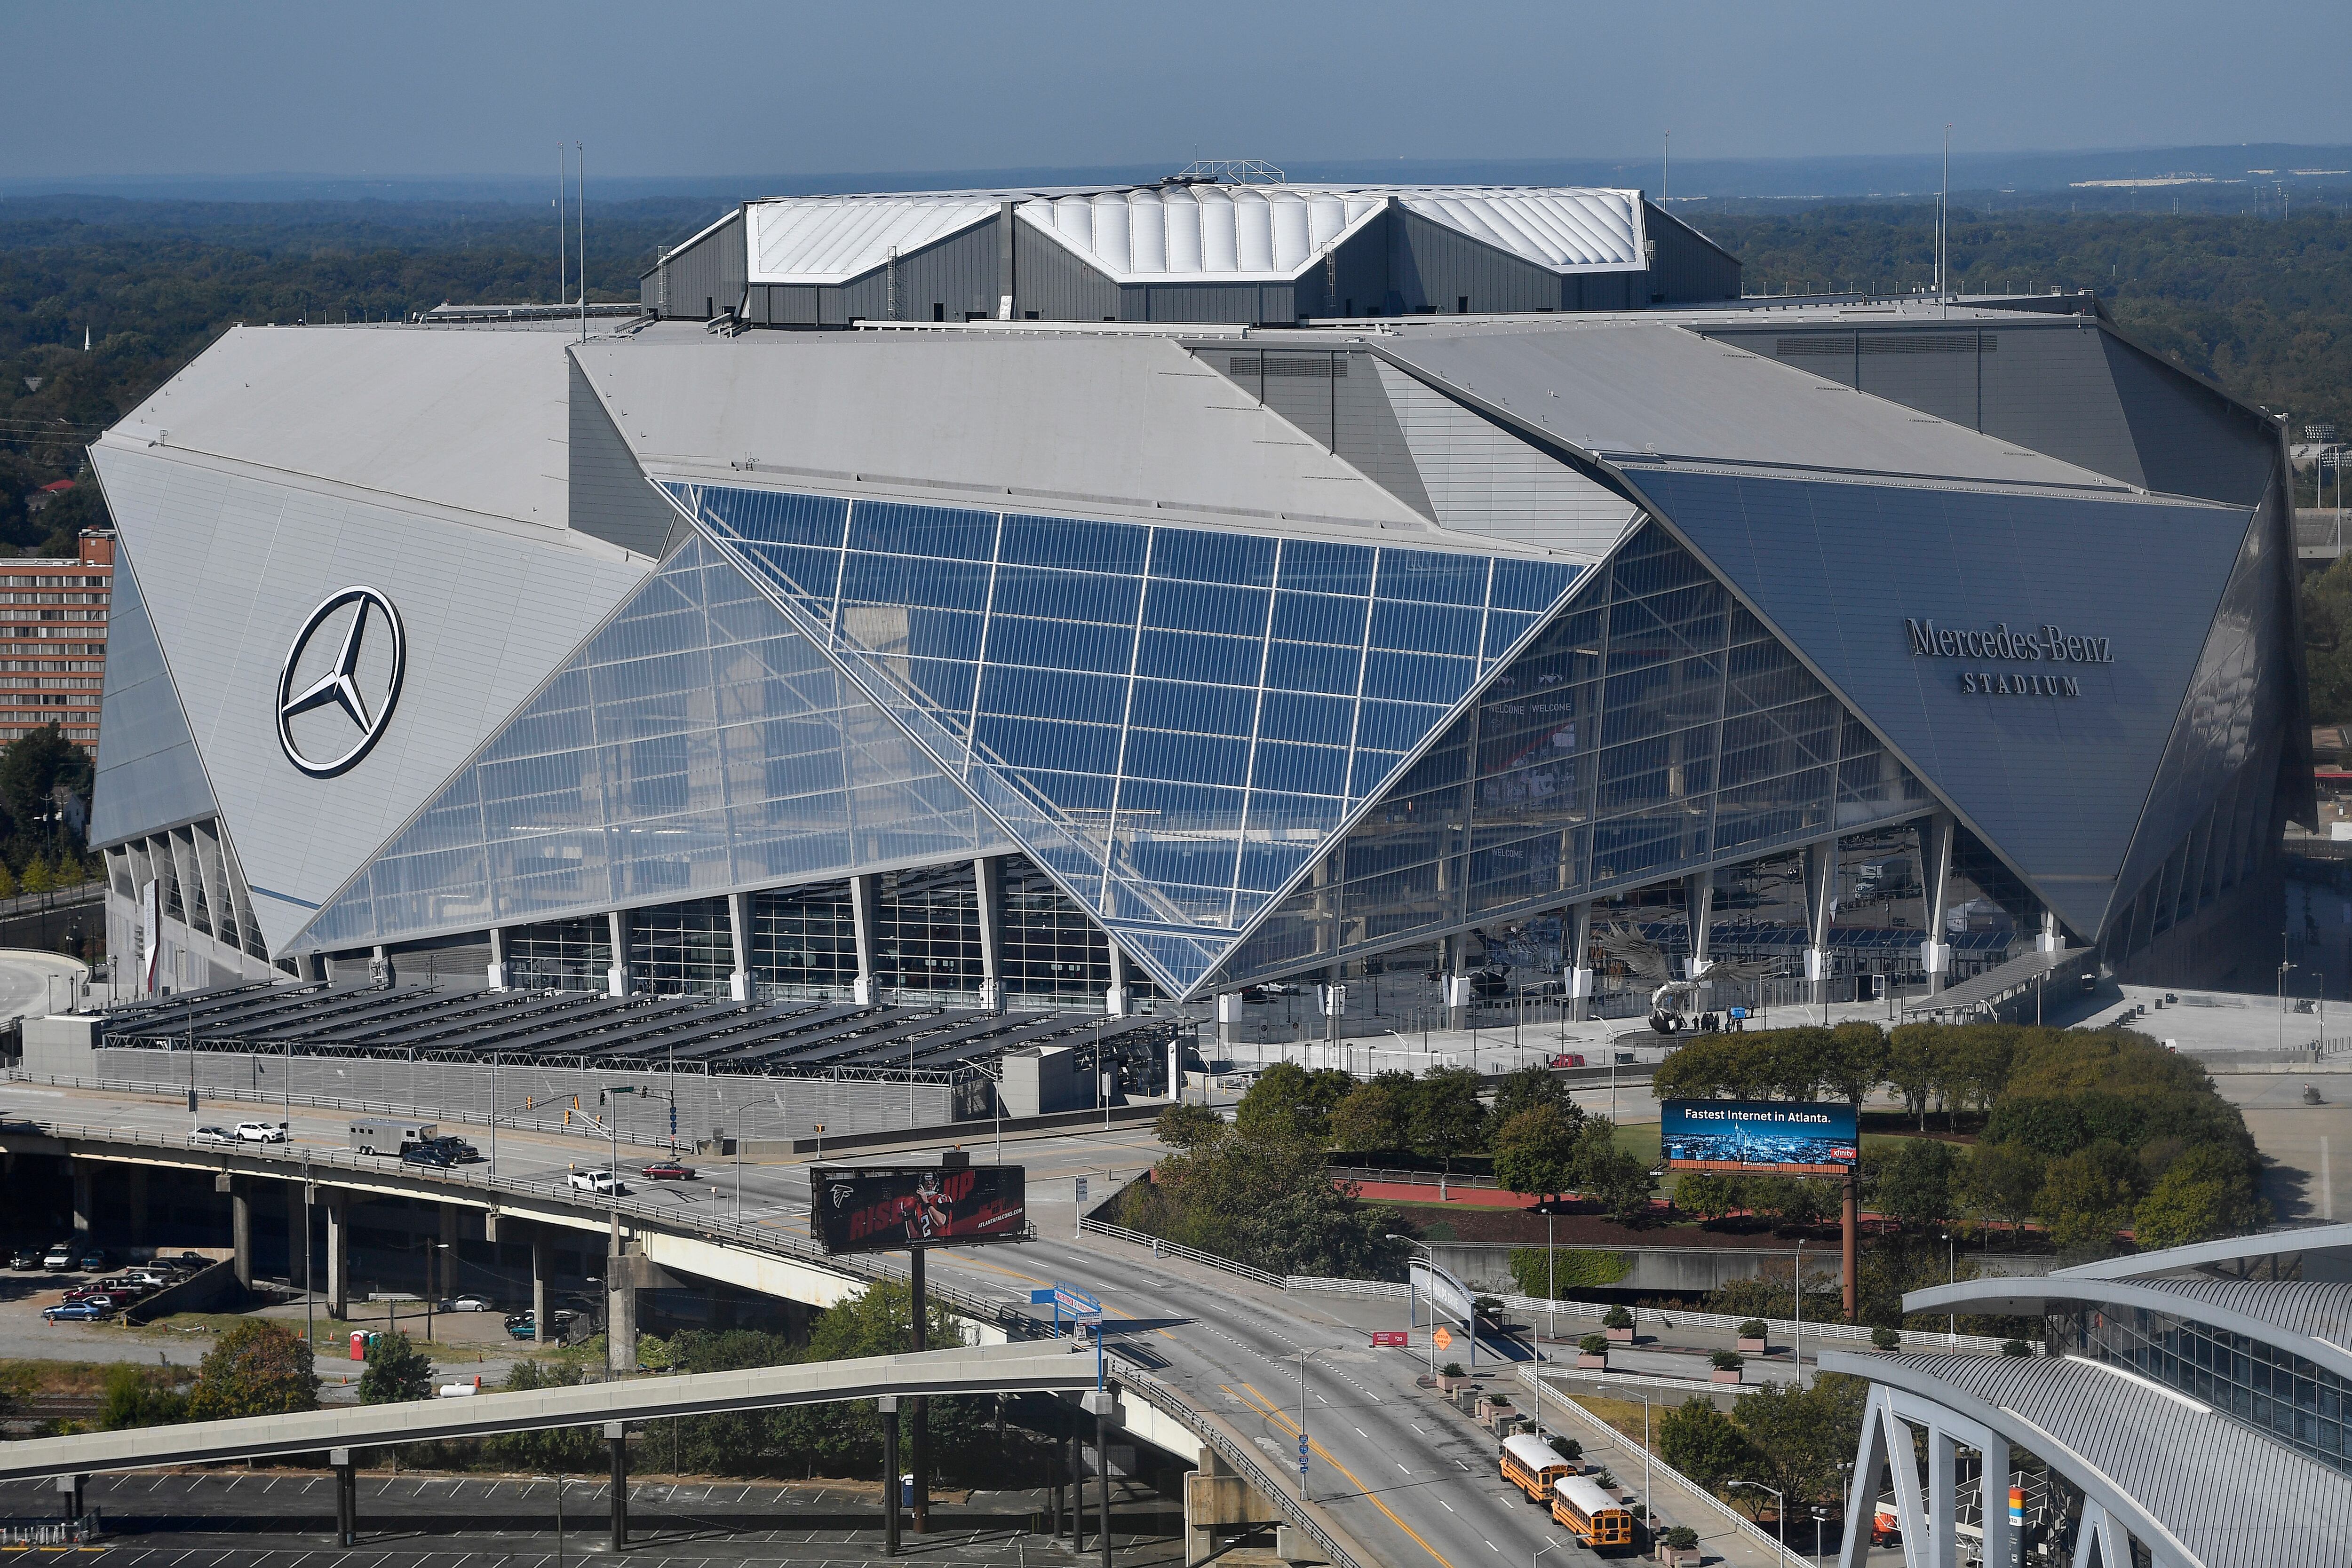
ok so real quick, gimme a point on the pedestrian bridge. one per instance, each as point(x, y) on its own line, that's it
point(983, 1369)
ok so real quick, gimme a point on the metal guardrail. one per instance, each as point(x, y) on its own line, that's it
point(1658, 1466)
point(1243, 1461)
point(1162, 1248)
point(305, 1162)
point(1411, 1179)
point(402, 1108)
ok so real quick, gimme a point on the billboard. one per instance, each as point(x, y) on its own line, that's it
point(888, 1209)
point(1788, 1137)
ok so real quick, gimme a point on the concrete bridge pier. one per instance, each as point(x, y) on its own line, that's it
point(620, 1315)
point(542, 1263)
point(298, 1237)
point(240, 1229)
point(85, 1201)
point(1102, 1404)
point(347, 1501)
point(616, 1433)
point(1219, 1503)
point(70, 1489)
point(887, 1404)
point(339, 1254)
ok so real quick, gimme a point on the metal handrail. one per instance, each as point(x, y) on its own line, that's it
point(1160, 1247)
point(1243, 1462)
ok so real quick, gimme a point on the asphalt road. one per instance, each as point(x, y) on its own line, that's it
point(27, 980)
point(1409, 1477)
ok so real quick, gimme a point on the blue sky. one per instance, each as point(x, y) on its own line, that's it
point(114, 90)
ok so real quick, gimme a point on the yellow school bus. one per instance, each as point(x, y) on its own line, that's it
point(1532, 1465)
point(1591, 1515)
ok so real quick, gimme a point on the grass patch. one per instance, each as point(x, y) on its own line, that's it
point(1623, 1416)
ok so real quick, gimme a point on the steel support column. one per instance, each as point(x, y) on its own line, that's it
point(988, 878)
point(1935, 875)
point(887, 1404)
point(616, 1433)
point(739, 931)
point(862, 919)
point(617, 929)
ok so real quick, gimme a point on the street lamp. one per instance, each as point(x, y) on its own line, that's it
point(1304, 1356)
point(1537, 1552)
point(1951, 1277)
point(2282, 968)
point(1412, 1317)
point(1781, 1512)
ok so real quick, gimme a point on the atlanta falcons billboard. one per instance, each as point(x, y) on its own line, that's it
point(866, 1208)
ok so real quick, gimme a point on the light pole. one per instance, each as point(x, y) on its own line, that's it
point(1537, 1552)
point(1304, 1356)
point(1951, 1277)
point(1799, 1352)
point(1780, 1510)
point(2282, 968)
point(1412, 1318)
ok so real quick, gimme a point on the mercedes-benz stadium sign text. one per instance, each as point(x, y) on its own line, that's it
point(2050, 644)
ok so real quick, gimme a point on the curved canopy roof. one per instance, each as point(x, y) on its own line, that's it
point(2174, 1468)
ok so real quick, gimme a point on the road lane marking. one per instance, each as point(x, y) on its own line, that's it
point(1366, 1491)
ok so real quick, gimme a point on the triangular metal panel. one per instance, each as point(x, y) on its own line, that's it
point(1653, 728)
point(2235, 703)
point(1171, 720)
point(695, 744)
point(2047, 754)
point(149, 776)
point(249, 556)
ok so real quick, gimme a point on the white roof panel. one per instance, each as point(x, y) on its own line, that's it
point(830, 239)
point(1238, 233)
point(1565, 230)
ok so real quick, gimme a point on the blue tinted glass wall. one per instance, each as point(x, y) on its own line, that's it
point(2297, 1401)
point(1174, 721)
point(1653, 728)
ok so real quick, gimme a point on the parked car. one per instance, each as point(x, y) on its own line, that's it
point(24, 1257)
point(261, 1131)
point(153, 1278)
point(522, 1325)
point(470, 1303)
point(82, 1292)
point(212, 1135)
point(668, 1170)
point(598, 1181)
point(427, 1154)
point(61, 1256)
point(75, 1312)
point(127, 1282)
point(93, 1260)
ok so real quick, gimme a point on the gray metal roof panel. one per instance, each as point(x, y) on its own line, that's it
point(1064, 424)
point(2227, 1493)
point(1654, 392)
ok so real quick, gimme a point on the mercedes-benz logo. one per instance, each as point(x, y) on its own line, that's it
point(367, 662)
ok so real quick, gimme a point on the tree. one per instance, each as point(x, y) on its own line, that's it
point(1801, 1436)
point(1915, 1183)
point(1288, 1101)
point(1704, 1444)
point(1535, 1151)
point(1187, 1125)
point(1710, 1195)
point(1375, 1117)
point(1616, 1178)
point(2001, 1180)
point(1793, 1061)
point(2204, 1195)
point(1915, 1065)
point(2086, 1196)
point(1270, 1203)
point(397, 1372)
point(133, 1396)
point(36, 771)
point(255, 1369)
point(1854, 1062)
point(1446, 1117)
point(1530, 1088)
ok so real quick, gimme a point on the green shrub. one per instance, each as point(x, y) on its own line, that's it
point(2016, 1347)
point(1683, 1538)
point(1593, 1345)
point(1727, 1361)
point(1885, 1339)
point(1451, 1369)
point(1618, 1317)
point(1754, 1328)
point(1567, 1269)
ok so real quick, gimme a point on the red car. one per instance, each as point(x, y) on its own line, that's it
point(1569, 1059)
point(668, 1170)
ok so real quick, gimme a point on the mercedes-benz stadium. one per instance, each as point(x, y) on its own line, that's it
point(1115, 598)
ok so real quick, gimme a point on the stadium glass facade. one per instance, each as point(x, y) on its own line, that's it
point(1654, 727)
point(1182, 681)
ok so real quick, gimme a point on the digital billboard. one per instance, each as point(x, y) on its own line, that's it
point(890, 1210)
point(1788, 1137)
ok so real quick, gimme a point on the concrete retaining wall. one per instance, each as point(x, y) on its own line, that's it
point(1684, 1271)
